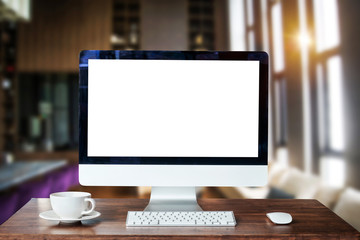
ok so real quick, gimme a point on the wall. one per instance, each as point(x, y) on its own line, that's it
point(350, 49)
point(163, 25)
point(293, 80)
point(59, 30)
point(221, 25)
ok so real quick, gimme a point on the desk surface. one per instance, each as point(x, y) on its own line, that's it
point(310, 220)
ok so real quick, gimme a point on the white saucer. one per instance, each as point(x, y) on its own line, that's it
point(51, 215)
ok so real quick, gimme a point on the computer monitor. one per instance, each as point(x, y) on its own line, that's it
point(173, 120)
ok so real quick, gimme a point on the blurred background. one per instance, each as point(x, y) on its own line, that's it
point(314, 88)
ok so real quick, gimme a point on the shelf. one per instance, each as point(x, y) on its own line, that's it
point(126, 25)
point(201, 24)
point(8, 32)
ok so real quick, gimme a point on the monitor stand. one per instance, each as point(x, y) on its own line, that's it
point(173, 199)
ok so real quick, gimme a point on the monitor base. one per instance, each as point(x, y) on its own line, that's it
point(173, 199)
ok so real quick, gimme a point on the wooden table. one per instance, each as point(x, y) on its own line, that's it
point(311, 220)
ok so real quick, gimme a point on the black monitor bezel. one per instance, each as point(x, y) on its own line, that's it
point(262, 57)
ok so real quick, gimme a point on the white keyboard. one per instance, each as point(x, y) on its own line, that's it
point(180, 219)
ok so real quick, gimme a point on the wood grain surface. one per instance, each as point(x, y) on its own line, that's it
point(59, 30)
point(311, 220)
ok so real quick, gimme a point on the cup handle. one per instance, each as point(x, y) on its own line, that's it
point(92, 201)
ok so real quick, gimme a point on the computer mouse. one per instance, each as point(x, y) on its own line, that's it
point(279, 217)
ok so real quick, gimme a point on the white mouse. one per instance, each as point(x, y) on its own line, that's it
point(279, 217)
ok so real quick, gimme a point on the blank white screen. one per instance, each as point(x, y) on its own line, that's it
point(170, 108)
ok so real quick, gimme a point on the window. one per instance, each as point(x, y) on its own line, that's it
point(278, 66)
point(237, 26)
point(329, 81)
point(251, 41)
point(304, 41)
point(278, 44)
point(265, 30)
point(327, 24)
point(276, 50)
point(250, 12)
point(329, 77)
point(336, 138)
point(250, 25)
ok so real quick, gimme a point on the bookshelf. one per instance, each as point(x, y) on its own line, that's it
point(201, 25)
point(8, 32)
point(126, 25)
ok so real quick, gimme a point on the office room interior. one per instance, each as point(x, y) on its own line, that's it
point(314, 114)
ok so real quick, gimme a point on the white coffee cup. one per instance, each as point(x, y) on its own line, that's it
point(72, 205)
